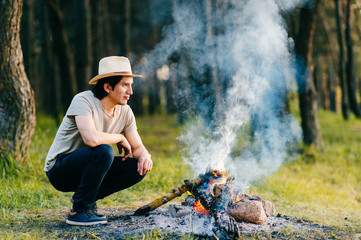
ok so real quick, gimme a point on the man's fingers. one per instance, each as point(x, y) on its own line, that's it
point(127, 153)
point(144, 166)
point(140, 168)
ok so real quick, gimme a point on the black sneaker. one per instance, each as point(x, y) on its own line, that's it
point(86, 218)
point(94, 208)
point(95, 211)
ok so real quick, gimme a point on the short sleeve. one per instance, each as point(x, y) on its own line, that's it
point(80, 105)
point(130, 123)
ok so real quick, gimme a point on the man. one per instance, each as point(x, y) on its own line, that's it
point(81, 160)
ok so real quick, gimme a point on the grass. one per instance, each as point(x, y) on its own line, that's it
point(321, 186)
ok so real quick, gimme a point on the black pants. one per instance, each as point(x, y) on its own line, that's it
point(92, 173)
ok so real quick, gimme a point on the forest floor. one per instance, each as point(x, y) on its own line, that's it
point(160, 224)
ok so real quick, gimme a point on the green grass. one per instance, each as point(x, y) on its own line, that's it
point(321, 186)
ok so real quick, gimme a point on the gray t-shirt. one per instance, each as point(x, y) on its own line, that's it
point(68, 138)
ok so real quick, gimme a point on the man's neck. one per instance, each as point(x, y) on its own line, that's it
point(108, 106)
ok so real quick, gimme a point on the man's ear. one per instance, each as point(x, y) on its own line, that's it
point(107, 87)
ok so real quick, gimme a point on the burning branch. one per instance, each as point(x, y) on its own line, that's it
point(177, 192)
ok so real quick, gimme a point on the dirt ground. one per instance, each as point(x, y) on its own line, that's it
point(160, 224)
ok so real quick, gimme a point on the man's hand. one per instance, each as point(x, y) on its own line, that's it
point(145, 163)
point(124, 144)
point(140, 153)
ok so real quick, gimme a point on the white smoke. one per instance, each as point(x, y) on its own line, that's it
point(255, 133)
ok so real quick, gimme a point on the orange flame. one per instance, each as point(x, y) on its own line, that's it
point(198, 207)
point(220, 178)
point(239, 198)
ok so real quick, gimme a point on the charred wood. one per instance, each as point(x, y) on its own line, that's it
point(226, 225)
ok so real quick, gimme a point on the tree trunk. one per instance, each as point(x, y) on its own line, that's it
point(153, 94)
point(182, 83)
point(28, 40)
point(83, 57)
point(65, 58)
point(341, 73)
point(330, 39)
point(100, 29)
point(350, 66)
point(306, 87)
point(136, 101)
point(171, 90)
point(52, 95)
point(319, 83)
point(213, 63)
point(106, 27)
point(127, 26)
point(331, 86)
point(17, 104)
point(357, 20)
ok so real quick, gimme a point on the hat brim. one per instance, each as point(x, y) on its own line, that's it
point(95, 79)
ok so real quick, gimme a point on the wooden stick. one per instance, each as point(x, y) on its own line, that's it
point(187, 186)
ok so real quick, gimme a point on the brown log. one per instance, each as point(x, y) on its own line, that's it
point(188, 184)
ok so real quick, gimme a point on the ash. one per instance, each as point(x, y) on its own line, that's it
point(123, 224)
point(161, 219)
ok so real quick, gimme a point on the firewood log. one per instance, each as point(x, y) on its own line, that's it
point(188, 184)
point(226, 225)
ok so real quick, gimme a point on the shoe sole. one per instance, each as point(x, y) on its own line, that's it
point(85, 223)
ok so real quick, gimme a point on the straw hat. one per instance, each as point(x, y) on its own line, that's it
point(113, 66)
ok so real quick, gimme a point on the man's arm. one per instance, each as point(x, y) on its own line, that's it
point(92, 137)
point(140, 153)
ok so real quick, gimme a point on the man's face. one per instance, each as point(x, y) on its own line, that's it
point(122, 91)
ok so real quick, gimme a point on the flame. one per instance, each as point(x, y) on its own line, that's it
point(239, 198)
point(219, 178)
point(198, 207)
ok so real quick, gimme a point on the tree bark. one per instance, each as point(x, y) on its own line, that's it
point(171, 90)
point(350, 65)
point(83, 58)
point(153, 94)
point(136, 101)
point(213, 63)
point(17, 104)
point(51, 100)
point(341, 72)
point(28, 40)
point(127, 26)
point(330, 38)
point(65, 57)
point(318, 80)
point(306, 87)
point(331, 86)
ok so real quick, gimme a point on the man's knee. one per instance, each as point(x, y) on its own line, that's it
point(105, 153)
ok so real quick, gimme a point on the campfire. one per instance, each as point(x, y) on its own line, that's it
point(216, 195)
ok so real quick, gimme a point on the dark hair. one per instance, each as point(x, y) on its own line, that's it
point(98, 89)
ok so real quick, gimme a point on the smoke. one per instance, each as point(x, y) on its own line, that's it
point(251, 134)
